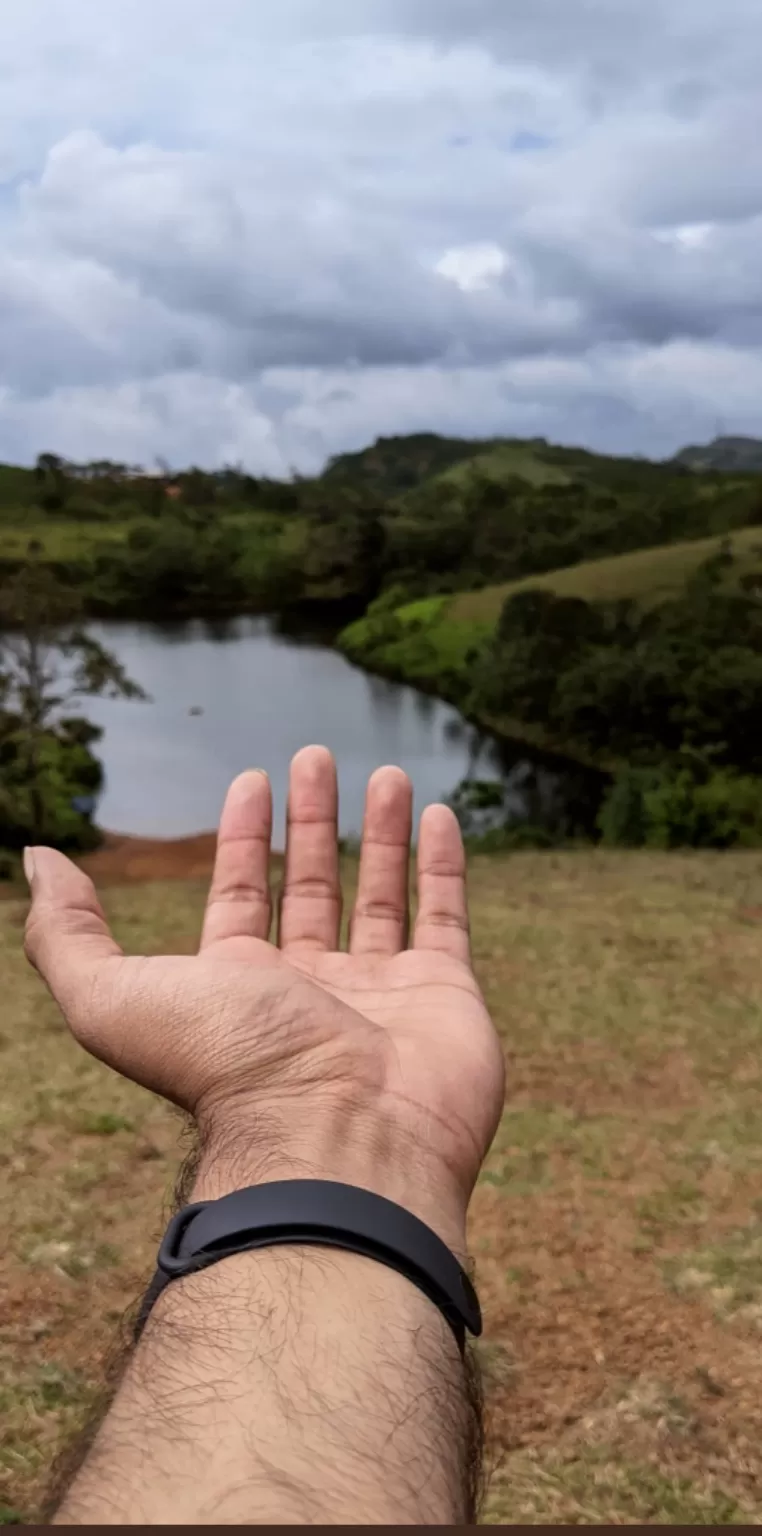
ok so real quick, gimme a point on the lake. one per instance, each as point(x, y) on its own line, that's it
point(225, 697)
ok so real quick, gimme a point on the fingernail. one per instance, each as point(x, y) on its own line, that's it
point(252, 773)
point(29, 864)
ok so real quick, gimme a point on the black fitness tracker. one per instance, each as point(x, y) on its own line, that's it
point(323, 1214)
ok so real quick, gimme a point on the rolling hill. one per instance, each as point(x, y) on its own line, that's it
point(506, 461)
point(392, 466)
point(649, 576)
point(728, 455)
point(430, 640)
point(395, 467)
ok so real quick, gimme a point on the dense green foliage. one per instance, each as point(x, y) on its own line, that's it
point(40, 794)
point(634, 685)
point(479, 530)
point(194, 543)
point(425, 514)
point(690, 806)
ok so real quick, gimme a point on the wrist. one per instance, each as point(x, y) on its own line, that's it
point(364, 1149)
point(329, 1348)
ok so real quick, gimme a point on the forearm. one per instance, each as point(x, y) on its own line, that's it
point(292, 1386)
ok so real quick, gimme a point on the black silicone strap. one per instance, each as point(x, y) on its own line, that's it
point(324, 1214)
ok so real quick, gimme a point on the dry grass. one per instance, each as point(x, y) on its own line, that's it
point(648, 576)
point(616, 1228)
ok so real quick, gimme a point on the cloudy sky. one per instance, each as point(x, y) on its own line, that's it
point(228, 235)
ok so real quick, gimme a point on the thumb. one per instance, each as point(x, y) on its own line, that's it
point(67, 937)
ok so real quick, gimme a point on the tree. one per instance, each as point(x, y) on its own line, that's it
point(182, 568)
point(48, 662)
point(50, 472)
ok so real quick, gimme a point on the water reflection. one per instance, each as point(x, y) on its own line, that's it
point(425, 706)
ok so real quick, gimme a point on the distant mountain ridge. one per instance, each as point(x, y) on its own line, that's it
point(739, 455)
point(392, 467)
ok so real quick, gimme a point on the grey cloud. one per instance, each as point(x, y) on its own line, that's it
point(265, 207)
point(609, 39)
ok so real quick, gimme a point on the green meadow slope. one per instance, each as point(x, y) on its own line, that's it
point(428, 643)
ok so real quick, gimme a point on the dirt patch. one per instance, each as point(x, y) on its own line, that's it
point(130, 860)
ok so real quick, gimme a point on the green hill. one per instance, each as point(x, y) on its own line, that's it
point(507, 461)
point(430, 640)
point(393, 466)
point(649, 576)
point(729, 455)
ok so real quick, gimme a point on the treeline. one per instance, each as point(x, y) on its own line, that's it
point(483, 531)
point(421, 515)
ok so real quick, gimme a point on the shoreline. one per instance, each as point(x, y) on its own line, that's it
point(126, 860)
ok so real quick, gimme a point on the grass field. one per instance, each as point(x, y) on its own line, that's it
point(61, 540)
point(617, 1227)
point(68, 539)
point(649, 576)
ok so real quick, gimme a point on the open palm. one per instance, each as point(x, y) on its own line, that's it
point(311, 1057)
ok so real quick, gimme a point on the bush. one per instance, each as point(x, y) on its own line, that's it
point(623, 821)
point(389, 601)
point(678, 809)
point(487, 813)
point(513, 839)
point(84, 509)
point(66, 771)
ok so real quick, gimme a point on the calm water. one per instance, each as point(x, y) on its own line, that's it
point(263, 695)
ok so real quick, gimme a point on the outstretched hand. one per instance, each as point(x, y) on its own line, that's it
point(378, 1067)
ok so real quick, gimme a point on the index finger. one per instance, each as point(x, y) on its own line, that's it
point(239, 905)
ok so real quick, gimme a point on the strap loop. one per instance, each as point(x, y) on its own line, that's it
point(323, 1214)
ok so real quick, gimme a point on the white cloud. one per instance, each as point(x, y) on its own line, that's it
point(472, 267)
point(690, 236)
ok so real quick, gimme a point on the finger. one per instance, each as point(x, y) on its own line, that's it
point(442, 921)
point(67, 937)
point(310, 913)
point(380, 918)
point(239, 905)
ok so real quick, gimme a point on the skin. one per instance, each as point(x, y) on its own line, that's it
point(295, 1385)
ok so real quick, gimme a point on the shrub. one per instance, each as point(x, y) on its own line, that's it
point(623, 821)
point(513, 839)
point(678, 809)
point(389, 600)
point(491, 823)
